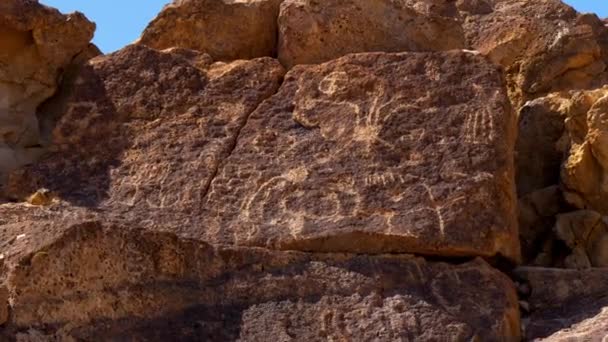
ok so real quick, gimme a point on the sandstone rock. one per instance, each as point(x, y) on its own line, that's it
point(585, 171)
point(586, 233)
point(544, 45)
point(374, 153)
point(142, 129)
point(318, 31)
point(36, 43)
point(224, 29)
point(100, 278)
point(567, 305)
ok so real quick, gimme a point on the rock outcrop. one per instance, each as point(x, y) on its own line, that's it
point(36, 44)
point(306, 170)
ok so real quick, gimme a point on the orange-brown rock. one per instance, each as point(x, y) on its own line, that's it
point(544, 45)
point(374, 153)
point(80, 275)
point(566, 305)
point(346, 157)
point(319, 31)
point(224, 29)
point(586, 233)
point(36, 43)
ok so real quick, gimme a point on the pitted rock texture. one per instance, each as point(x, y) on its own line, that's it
point(36, 43)
point(375, 153)
point(543, 45)
point(97, 277)
point(143, 131)
point(224, 29)
point(566, 305)
point(313, 32)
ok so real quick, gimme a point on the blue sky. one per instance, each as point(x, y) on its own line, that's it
point(120, 22)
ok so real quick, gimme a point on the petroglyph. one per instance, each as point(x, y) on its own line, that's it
point(370, 147)
point(479, 127)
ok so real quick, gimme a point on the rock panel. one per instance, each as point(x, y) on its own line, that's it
point(318, 31)
point(374, 153)
point(224, 29)
point(100, 278)
point(142, 132)
point(585, 170)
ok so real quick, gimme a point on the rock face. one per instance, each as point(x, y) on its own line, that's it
point(585, 171)
point(375, 153)
point(224, 29)
point(36, 43)
point(566, 305)
point(319, 31)
point(375, 173)
point(192, 188)
point(96, 273)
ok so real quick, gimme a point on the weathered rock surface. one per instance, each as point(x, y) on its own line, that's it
point(224, 29)
point(585, 172)
point(143, 131)
point(346, 157)
point(96, 276)
point(373, 153)
point(36, 43)
point(318, 31)
point(544, 45)
point(567, 305)
point(586, 233)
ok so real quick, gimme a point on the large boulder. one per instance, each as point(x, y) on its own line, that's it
point(543, 45)
point(318, 31)
point(224, 29)
point(88, 275)
point(566, 305)
point(36, 44)
point(374, 153)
